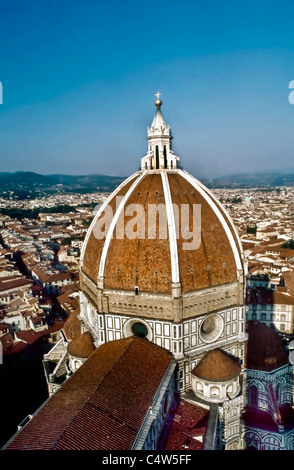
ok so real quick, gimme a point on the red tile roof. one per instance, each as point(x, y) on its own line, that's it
point(101, 406)
point(12, 282)
point(6, 340)
point(265, 296)
point(188, 428)
point(10, 347)
point(60, 277)
point(265, 350)
point(30, 336)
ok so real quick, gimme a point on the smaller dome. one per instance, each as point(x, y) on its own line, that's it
point(83, 346)
point(217, 366)
point(72, 326)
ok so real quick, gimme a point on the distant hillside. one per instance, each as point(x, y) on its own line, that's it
point(29, 184)
point(261, 180)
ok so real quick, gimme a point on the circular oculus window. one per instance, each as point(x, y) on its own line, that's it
point(211, 328)
point(137, 327)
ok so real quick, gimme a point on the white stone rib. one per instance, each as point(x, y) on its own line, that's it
point(219, 215)
point(99, 212)
point(171, 229)
point(225, 211)
point(113, 224)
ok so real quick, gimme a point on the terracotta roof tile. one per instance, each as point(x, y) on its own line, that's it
point(116, 384)
point(265, 350)
point(12, 282)
point(265, 296)
point(217, 366)
point(188, 428)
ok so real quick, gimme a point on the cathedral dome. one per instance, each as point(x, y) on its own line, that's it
point(216, 377)
point(191, 243)
point(82, 346)
point(217, 366)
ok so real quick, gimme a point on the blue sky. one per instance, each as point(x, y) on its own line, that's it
point(79, 80)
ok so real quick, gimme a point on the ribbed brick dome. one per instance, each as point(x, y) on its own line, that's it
point(153, 264)
point(217, 366)
point(82, 346)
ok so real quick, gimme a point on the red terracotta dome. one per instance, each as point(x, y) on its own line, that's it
point(217, 366)
point(153, 264)
point(82, 346)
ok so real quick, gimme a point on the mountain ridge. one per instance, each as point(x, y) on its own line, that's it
point(25, 184)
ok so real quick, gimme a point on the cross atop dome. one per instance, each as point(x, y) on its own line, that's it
point(160, 155)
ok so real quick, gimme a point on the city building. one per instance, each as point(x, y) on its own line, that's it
point(271, 307)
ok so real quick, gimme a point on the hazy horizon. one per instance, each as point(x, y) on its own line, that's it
point(269, 171)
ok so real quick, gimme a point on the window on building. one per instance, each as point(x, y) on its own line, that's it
point(199, 387)
point(165, 157)
point(214, 392)
point(139, 329)
point(157, 157)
